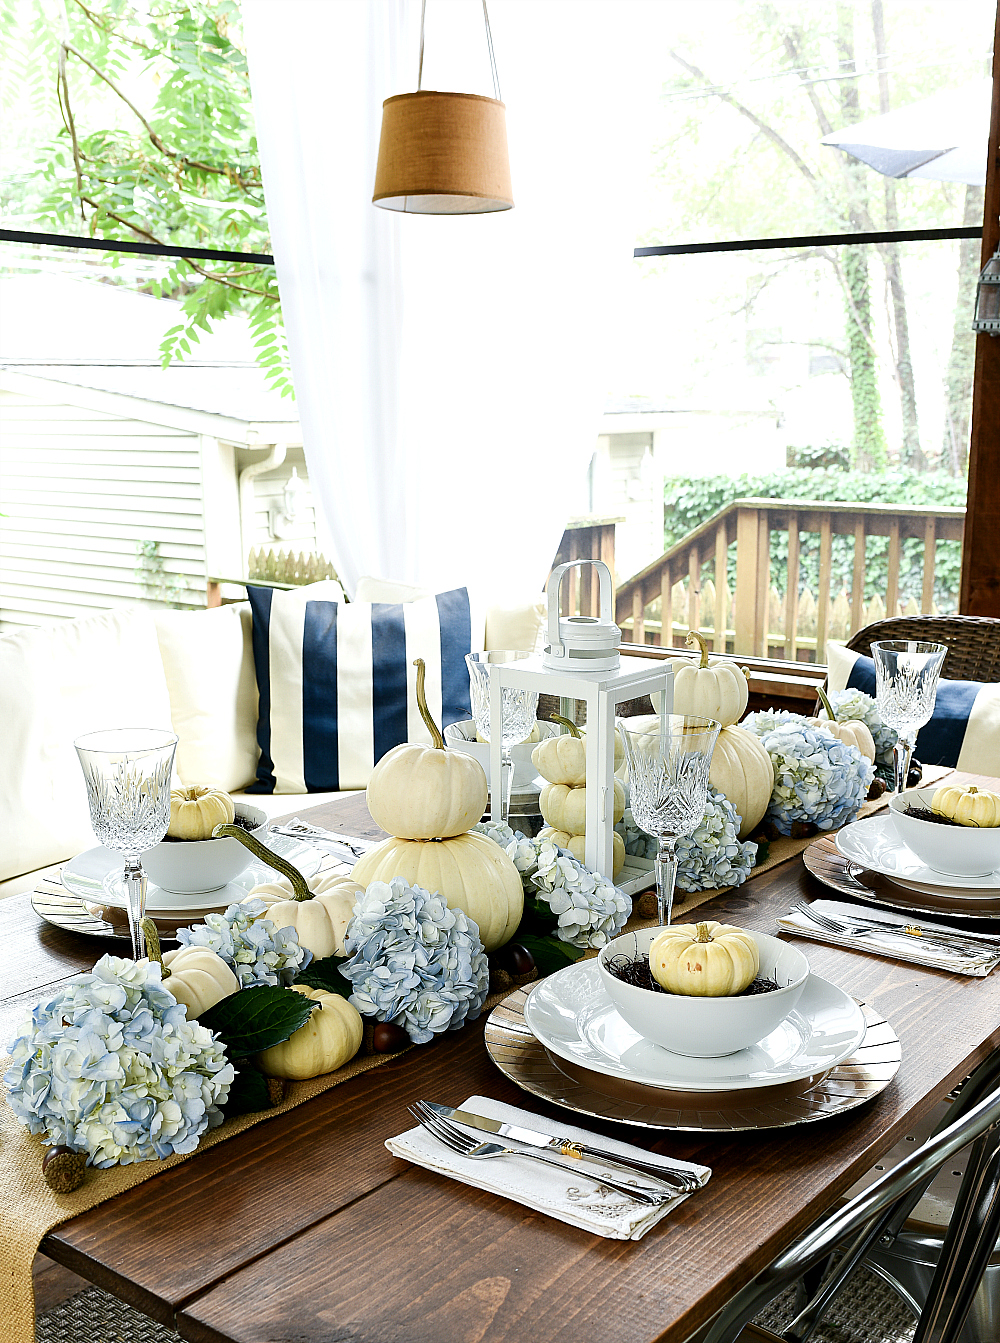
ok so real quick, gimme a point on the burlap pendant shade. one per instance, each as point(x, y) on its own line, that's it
point(443, 153)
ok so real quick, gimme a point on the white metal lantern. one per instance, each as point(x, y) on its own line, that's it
point(582, 661)
point(987, 315)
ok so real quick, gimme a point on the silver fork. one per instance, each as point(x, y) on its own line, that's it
point(976, 951)
point(460, 1142)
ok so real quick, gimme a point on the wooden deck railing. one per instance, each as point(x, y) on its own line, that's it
point(585, 538)
point(670, 594)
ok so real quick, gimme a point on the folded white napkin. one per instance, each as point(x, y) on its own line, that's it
point(902, 947)
point(573, 1198)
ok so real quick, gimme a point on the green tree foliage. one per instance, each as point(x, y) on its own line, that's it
point(149, 136)
point(690, 501)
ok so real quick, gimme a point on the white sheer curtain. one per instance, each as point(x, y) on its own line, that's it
point(448, 371)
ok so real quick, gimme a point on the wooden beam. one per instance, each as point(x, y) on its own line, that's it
point(746, 581)
point(892, 590)
point(980, 589)
point(721, 572)
point(792, 589)
point(858, 576)
point(824, 584)
point(666, 607)
point(930, 546)
point(638, 617)
point(761, 630)
point(694, 589)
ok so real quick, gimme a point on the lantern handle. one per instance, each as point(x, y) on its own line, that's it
point(553, 586)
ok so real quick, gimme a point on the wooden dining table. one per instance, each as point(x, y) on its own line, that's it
point(304, 1229)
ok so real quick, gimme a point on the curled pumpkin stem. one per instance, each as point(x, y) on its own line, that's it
point(436, 739)
point(574, 731)
point(695, 639)
point(827, 706)
point(702, 933)
point(153, 951)
point(300, 891)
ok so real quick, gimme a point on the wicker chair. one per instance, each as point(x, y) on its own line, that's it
point(973, 642)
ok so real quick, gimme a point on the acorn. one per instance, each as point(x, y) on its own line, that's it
point(276, 1089)
point(388, 1038)
point(63, 1169)
point(516, 960)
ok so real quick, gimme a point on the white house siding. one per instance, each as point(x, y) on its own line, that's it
point(627, 481)
point(81, 490)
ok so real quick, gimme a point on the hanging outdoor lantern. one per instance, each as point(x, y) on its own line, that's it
point(444, 153)
point(582, 661)
point(987, 317)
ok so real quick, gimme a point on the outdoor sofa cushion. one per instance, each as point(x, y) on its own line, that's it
point(964, 731)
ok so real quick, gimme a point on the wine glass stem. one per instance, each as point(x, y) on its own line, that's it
point(506, 783)
point(135, 894)
point(666, 875)
point(902, 753)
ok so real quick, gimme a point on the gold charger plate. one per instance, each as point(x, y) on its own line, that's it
point(825, 861)
point(74, 915)
point(522, 1058)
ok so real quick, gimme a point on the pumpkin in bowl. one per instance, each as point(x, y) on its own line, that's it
point(196, 809)
point(705, 960)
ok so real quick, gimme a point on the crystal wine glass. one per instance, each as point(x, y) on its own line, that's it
point(906, 679)
point(517, 712)
point(128, 771)
point(668, 762)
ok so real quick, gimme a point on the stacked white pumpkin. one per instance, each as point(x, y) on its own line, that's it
point(562, 763)
point(428, 798)
point(741, 768)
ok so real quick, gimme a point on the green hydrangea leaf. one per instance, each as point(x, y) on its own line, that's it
point(248, 1092)
point(537, 919)
point(326, 975)
point(257, 1018)
point(548, 953)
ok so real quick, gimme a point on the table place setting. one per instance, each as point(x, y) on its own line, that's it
point(886, 933)
point(580, 1190)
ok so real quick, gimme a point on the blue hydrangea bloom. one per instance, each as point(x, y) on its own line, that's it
point(637, 843)
point(255, 951)
point(713, 856)
point(590, 908)
point(818, 780)
point(110, 1066)
point(414, 961)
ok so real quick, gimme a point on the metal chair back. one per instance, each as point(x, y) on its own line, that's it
point(880, 1211)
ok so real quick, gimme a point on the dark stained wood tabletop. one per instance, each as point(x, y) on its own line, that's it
point(304, 1227)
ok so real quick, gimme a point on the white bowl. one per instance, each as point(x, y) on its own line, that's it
point(706, 1028)
point(954, 850)
point(192, 866)
point(462, 737)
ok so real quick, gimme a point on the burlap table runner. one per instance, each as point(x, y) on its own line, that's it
point(29, 1209)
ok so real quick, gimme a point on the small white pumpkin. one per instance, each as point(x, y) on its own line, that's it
point(196, 810)
point(470, 872)
point(577, 845)
point(562, 759)
point(196, 976)
point(716, 689)
point(968, 805)
point(320, 922)
point(329, 1039)
point(426, 792)
point(707, 960)
point(851, 730)
point(565, 808)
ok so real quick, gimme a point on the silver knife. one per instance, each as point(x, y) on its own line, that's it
point(567, 1147)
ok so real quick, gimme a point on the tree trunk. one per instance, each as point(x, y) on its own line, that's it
point(912, 454)
point(958, 379)
point(869, 450)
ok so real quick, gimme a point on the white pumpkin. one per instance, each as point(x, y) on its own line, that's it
point(850, 730)
point(742, 770)
point(426, 792)
point(198, 978)
point(562, 759)
point(321, 922)
point(577, 845)
point(706, 960)
point(716, 689)
point(196, 810)
point(329, 1039)
point(565, 808)
point(471, 872)
point(968, 805)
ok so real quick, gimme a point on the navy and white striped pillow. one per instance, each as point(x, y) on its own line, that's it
point(337, 684)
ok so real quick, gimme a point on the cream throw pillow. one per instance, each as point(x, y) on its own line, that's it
point(57, 682)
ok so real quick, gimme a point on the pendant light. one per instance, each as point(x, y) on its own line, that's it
point(444, 153)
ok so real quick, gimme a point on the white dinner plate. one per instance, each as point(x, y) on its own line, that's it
point(874, 844)
point(94, 876)
point(572, 1015)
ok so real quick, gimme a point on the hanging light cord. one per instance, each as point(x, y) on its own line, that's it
point(489, 44)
